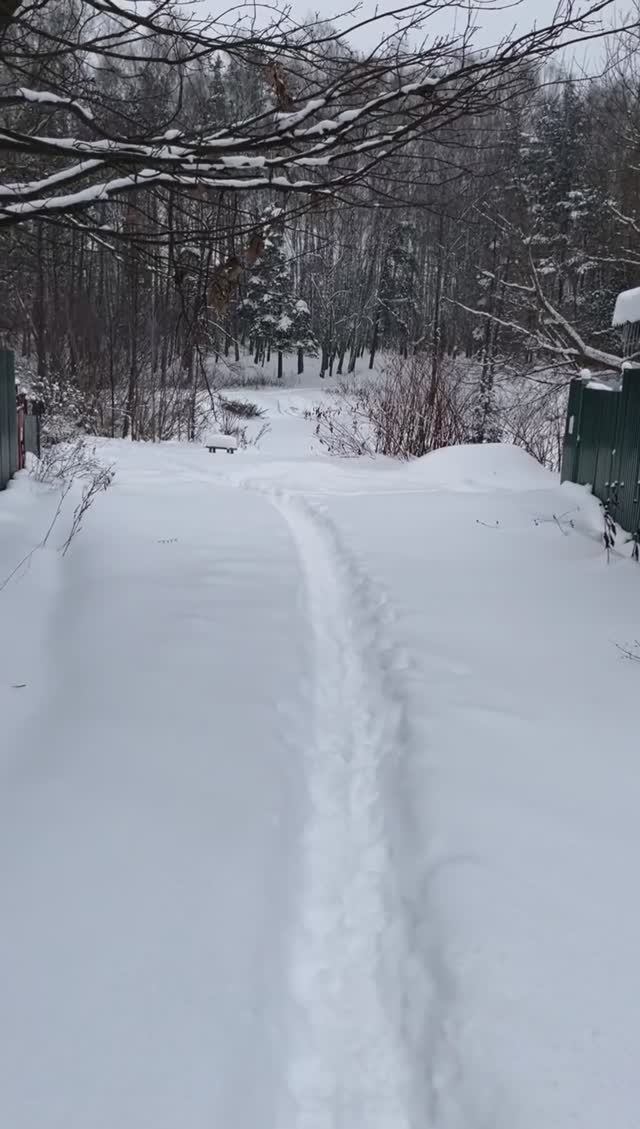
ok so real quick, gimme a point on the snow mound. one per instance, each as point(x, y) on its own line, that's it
point(627, 307)
point(482, 466)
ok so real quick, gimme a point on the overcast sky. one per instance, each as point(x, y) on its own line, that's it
point(494, 19)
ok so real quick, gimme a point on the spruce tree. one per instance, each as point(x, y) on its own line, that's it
point(275, 321)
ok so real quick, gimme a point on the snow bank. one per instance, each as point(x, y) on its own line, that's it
point(627, 307)
point(521, 713)
point(482, 466)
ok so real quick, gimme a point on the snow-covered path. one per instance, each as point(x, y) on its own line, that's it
point(318, 799)
point(361, 990)
point(149, 822)
point(202, 860)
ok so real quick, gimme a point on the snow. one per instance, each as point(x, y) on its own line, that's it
point(47, 98)
point(97, 193)
point(318, 795)
point(215, 439)
point(627, 307)
point(55, 179)
point(243, 162)
point(492, 466)
point(288, 120)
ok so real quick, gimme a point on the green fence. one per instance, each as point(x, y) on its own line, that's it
point(602, 444)
point(8, 419)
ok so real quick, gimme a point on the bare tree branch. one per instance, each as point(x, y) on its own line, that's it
point(360, 116)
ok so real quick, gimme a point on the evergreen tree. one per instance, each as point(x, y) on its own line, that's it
point(302, 333)
point(275, 320)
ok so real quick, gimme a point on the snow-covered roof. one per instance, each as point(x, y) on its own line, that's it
point(627, 307)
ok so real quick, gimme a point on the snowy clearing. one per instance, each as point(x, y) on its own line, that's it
point(318, 796)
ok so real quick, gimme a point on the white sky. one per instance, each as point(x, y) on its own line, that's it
point(493, 18)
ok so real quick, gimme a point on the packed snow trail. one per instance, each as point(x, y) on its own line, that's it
point(364, 1001)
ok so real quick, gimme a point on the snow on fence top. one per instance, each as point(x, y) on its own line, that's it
point(627, 308)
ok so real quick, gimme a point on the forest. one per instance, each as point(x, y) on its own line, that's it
point(184, 200)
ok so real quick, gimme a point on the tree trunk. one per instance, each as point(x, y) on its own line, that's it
point(374, 339)
point(40, 322)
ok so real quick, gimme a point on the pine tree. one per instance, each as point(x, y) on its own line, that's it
point(302, 333)
point(275, 320)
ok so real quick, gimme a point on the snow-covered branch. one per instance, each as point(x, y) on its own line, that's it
point(362, 112)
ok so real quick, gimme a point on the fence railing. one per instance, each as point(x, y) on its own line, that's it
point(602, 443)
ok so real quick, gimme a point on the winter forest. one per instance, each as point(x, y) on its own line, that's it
point(186, 199)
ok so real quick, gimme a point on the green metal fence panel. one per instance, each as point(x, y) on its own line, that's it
point(602, 444)
point(5, 427)
point(626, 471)
point(588, 440)
point(605, 407)
point(13, 411)
point(570, 447)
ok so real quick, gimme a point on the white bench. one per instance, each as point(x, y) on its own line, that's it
point(227, 443)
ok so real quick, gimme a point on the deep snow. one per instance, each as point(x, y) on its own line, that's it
point(318, 803)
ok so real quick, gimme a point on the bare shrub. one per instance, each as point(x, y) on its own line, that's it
point(98, 482)
point(252, 380)
point(63, 462)
point(532, 414)
point(223, 418)
point(415, 407)
point(245, 409)
point(419, 406)
point(231, 374)
point(255, 440)
point(62, 465)
point(344, 428)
